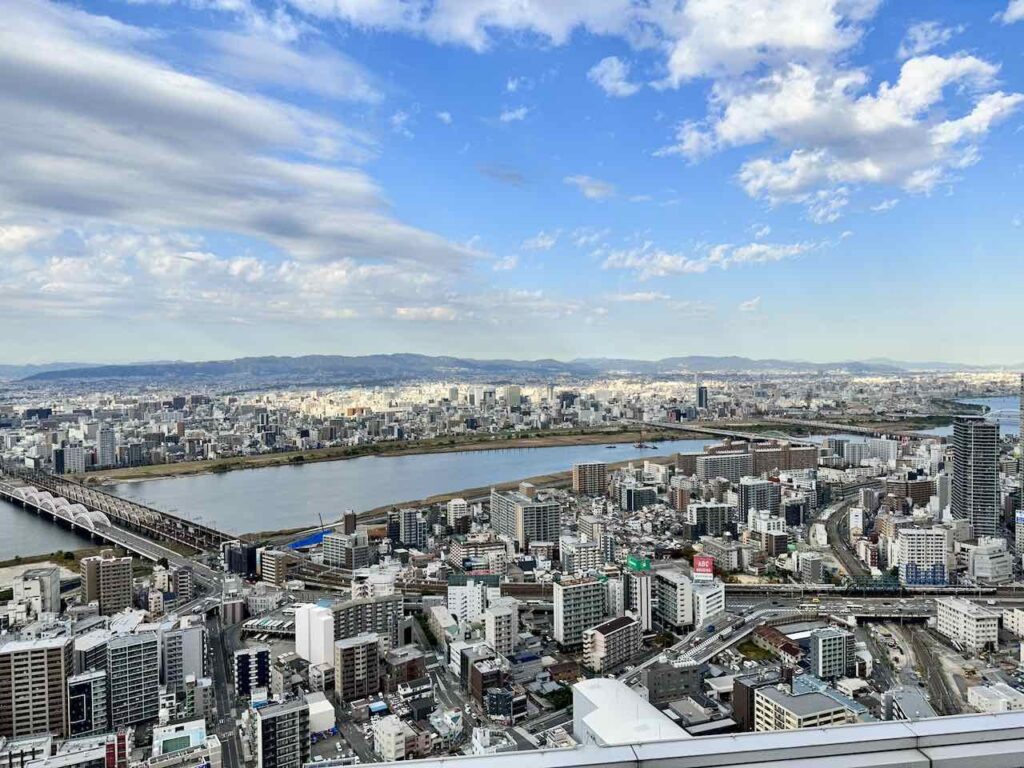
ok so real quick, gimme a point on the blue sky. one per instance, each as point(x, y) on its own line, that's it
point(812, 179)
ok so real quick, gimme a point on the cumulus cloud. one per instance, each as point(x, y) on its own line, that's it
point(592, 189)
point(611, 74)
point(647, 261)
point(837, 133)
point(1014, 12)
point(924, 36)
point(750, 305)
point(445, 117)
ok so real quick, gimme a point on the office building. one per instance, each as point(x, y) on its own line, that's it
point(976, 474)
point(314, 633)
point(611, 643)
point(634, 495)
point(74, 459)
point(34, 678)
point(708, 601)
point(776, 708)
point(674, 591)
point(578, 606)
point(282, 735)
point(252, 670)
point(133, 669)
point(107, 580)
point(357, 668)
point(967, 624)
point(832, 653)
point(87, 703)
point(671, 680)
point(525, 519)
point(590, 478)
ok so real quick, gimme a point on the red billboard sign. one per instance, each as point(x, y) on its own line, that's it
point(703, 567)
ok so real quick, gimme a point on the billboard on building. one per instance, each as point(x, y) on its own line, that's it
point(703, 567)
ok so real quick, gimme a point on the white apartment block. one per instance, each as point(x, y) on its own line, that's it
point(708, 601)
point(501, 625)
point(675, 597)
point(967, 623)
point(921, 553)
point(777, 709)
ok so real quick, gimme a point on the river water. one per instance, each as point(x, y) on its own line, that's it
point(271, 498)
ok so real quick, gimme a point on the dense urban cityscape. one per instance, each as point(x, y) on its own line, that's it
point(472, 383)
point(842, 548)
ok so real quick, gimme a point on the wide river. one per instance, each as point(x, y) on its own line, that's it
point(271, 498)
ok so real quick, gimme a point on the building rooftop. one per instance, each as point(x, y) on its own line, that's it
point(613, 625)
point(966, 606)
point(800, 704)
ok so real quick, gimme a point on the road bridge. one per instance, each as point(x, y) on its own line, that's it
point(689, 426)
point(151, 523)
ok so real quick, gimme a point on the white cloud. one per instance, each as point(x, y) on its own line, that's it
point(262, 59)
point(1014, 12)
point(96, 131)
point(592, 189)
point(445, 117)
point(647, 261)
point(16, 237)
point(639, 297)
point(750, 305)
point(437, 314)
point(885, 205)
point(611, 74)
point(762, 232)
point(506, 264)
point(542, 241)
point(400, 123)
point(585, 237)
point(838, 135)
point(925, 36)
point(514, 115)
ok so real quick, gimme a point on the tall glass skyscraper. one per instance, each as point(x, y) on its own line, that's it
point(976, 473)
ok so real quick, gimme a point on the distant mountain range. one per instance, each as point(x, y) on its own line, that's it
point(342, 369)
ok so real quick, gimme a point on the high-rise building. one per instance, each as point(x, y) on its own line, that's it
point(74, 459)
point(34, 678)
point(252, 670)
point(732, 465)
point(578, 606)
point(922, 555)
point(133, 669)
point(106, 447)
point(976, 473)
point(611, 643)
point(675, 597)
point(349, 551)
point(40, 587)
point(185, 652)
point(108, 581)
point(966, 623)
point(357, 669)
point(314, 633)
point(466, 601)
point(590, 478)
point(273, 565)
point(501, 625)
point(702, 395)
point(756, 494)
point(833, 653)
point(282, 735)
point(87, 703)
point(382, 614)
point(525, 519)
point(708, 601)
point(457, 510)
point(639, 598)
